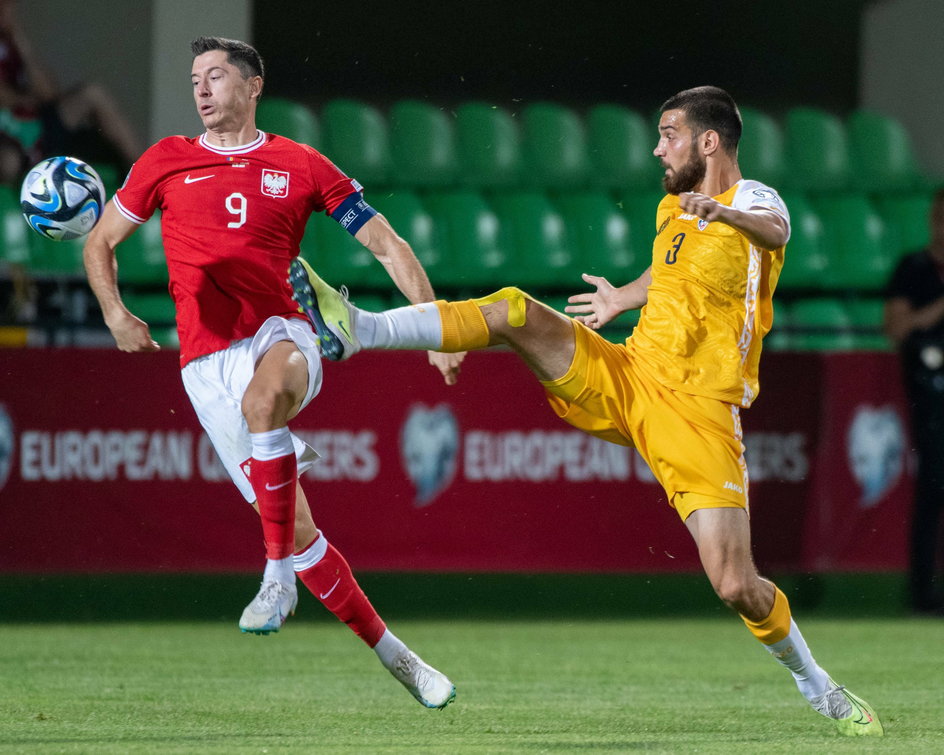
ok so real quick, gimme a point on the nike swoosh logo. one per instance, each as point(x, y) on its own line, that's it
point(189, 180)
point(325, 596)
point(344, 330)
point(276, 487)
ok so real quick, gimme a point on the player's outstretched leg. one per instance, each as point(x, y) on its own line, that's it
point(436, 326)
point(326, 573)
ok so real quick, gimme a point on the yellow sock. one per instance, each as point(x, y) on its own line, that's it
point(777, 624)
point(463, 326)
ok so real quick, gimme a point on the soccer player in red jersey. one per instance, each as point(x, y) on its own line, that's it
point(234, 203)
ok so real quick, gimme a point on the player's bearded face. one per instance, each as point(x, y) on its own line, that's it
point(688, 175)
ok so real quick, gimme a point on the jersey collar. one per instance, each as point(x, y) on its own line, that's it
point(241, 149)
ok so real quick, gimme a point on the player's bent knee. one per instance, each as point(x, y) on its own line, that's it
point(517, 304)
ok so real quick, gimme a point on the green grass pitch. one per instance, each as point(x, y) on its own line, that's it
point(669, 685)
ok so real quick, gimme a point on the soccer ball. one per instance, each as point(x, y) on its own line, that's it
point(62, 198)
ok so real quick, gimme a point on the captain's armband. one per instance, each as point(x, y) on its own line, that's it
point(353, 212)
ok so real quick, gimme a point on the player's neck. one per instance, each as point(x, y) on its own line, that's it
point(228, 138)
point(719, 177)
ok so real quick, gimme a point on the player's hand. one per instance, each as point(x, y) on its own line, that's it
point(447, 364)
point(702, 206)
point(131, 333)
point(596, 308)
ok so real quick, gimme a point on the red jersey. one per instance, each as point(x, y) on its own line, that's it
point(231, 221)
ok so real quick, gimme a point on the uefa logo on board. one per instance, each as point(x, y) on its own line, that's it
point(6, 446)
point(875, 445)
point(429, 449)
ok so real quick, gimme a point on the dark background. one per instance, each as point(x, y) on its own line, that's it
point(766, 54)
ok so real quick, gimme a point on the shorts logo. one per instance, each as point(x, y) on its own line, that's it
point(728, 485)
point(275, 183)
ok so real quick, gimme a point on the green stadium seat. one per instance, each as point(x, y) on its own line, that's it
point(867, 317)
point(640, 211)
point(817, 151)
point(156, 309)
point(857, 242)
point(554, 147)
point(288, 118)
point(760, 152)
point(474, 240)
point(619, 147)
point(15, 234)
point(541, 254)
point(356, 139)
point(410, 219)
point(338, 257)
point(61, 260)
point(423, 145)
point(112, 177)
point(907, 217)
point(807, 264)
point(779, 337)
point(881, 155)
point(821, 325)
point(601, 236)
point(489, 146)
point(141, 258)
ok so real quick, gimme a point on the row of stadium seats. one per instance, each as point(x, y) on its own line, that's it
point(468, 239)
point(546, 145)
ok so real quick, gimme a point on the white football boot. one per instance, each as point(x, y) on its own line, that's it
point(267, 612)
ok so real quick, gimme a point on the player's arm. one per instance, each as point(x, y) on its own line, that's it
point(901, 319)
point(101, 267)
point(597, 308)
point(763, 227)
point(397, 257)
point(405, 270)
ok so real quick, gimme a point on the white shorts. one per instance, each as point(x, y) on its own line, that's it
point(216, 383)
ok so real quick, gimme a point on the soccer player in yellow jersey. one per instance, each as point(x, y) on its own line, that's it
point(675, 388)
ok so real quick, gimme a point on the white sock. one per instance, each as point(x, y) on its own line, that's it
point(272, 444)
point(415, 327)
point(312, 554)
point(792, 652)
point(388, 648)
point(279, 569)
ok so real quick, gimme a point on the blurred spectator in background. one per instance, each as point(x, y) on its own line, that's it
point(914, 320)
point(38, 120)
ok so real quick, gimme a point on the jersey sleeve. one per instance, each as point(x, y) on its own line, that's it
point(339, 195)
point(754, 194)
point(138, 197)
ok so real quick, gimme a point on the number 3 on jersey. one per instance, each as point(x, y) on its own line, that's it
point(236, 205)
point(672, 255)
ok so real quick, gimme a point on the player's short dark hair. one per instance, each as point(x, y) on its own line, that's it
point(240, 54)
point(709, 108)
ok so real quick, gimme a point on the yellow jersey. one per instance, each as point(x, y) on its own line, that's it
point(710, 301)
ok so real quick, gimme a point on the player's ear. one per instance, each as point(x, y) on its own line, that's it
point(710, 142)
point(255, 87)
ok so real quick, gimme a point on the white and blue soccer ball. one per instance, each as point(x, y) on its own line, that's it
point(62, 198)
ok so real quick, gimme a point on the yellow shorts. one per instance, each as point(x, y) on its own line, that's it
point(692, 444)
